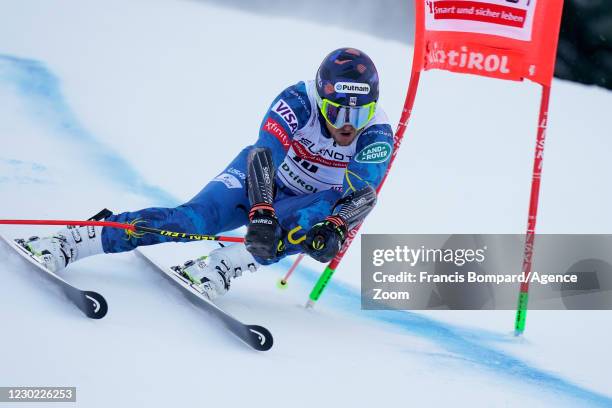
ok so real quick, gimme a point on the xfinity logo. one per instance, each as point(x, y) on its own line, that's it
point(352, 87)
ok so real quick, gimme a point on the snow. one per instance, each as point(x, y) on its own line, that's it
point(140, 103)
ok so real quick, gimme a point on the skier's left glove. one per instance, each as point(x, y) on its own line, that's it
point(325, 238)
point(263, 232)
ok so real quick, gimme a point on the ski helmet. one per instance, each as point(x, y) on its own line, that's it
point(347, 88)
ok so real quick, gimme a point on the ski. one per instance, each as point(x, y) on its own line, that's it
point(257, 337)
point(92, 304)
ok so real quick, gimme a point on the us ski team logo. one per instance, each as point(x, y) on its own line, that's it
point(283, 109)
point(377, 152)
point(229, 180)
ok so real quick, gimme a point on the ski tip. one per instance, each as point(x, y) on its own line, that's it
point(96, 305)
point(260, 338)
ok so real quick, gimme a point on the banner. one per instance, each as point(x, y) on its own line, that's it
point(505, 39)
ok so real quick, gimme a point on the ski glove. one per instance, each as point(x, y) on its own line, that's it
point(325, 238)
point(263, 232)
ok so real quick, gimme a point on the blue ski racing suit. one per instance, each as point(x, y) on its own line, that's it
point(312, 174)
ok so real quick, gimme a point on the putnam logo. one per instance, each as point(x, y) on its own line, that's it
point(377, 152)
point(352, 87)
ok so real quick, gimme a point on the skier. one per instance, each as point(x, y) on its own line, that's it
point(323, 148)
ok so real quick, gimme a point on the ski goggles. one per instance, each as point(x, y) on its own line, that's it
point(339, 115)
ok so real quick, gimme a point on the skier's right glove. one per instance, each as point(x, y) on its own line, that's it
point(325, 238)
point(263, 232)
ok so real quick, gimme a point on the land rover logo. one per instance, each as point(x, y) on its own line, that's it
point(377, 152)
point(352, 87)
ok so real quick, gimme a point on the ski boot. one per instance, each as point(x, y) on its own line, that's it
point(66, 246)
point(212, 274)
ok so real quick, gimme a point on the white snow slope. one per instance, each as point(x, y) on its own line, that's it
point(130, 104)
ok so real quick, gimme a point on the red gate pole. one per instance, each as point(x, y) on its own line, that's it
point(538, 162)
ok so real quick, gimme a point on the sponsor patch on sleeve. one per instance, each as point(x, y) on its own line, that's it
point(283, 109)
point(377, 152)
point(229, 180)
point(275, 129)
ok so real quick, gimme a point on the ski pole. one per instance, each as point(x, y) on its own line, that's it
point(132, 228)
point(282, 284)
